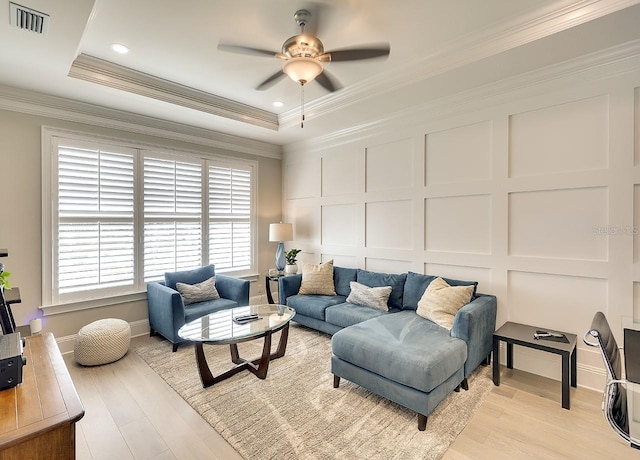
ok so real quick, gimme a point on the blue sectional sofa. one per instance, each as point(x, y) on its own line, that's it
point(397, 354)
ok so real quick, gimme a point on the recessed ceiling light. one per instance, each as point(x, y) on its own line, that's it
point(278, 104)
point(119, 48)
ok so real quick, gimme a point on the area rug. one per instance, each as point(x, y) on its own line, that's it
point(295, 413)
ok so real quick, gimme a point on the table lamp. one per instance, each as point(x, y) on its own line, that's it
point(280, 233)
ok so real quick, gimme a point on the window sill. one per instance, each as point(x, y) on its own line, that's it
point(57, 309)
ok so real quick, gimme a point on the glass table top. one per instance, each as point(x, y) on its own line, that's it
point(221, 327)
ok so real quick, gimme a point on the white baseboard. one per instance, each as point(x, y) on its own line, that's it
point(138, 328)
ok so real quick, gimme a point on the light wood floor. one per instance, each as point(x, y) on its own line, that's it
point(131, 413)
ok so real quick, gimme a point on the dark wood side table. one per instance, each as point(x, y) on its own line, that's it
point(38, 416)
point(267, 282)
point(522, 334)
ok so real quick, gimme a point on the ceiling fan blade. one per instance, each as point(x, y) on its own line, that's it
point(247, 50)
point(355, 54)
point(272, 80)
point(328, 82)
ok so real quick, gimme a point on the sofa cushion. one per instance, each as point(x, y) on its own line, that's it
point(192, 293)
point(341, 279)
point(441, 302)
point(195, 276)
point(374, 279)
point(416, 284)
point(402, 347)
point(376, 297)
point(347, 314)
point(313, 305)
point(317, 279)
point(196, 310)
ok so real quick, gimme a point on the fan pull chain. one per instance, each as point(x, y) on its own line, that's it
point(302, 105)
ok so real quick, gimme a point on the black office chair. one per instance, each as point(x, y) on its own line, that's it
point(615, 394)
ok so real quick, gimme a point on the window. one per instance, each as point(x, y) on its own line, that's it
point(230, 218)
point(121, 216)
point(172, 216)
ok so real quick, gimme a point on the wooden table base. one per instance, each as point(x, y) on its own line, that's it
point(258, 366)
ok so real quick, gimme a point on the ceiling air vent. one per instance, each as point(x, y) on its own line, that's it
point(28, 19)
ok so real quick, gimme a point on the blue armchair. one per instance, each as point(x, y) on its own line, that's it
point(167, 311)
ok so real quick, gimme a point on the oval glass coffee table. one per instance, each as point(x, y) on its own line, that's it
point(224, 328)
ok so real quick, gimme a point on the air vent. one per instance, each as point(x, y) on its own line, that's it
point(28, 19)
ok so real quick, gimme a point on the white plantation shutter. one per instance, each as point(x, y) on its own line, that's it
point(230, 213)
point(95, 237)
point(172, 216)
point(120, 217)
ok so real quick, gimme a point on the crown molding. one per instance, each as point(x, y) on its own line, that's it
point(33, 103)
point(106, 73)
point(609, 63)
point(463, 51)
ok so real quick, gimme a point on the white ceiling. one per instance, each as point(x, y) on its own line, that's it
point(438, 47)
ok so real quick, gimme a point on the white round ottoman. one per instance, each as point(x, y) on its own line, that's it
point(101, 342)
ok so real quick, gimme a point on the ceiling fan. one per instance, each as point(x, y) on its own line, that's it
point(304, 57)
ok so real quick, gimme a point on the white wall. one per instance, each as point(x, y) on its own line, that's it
point(530, 186)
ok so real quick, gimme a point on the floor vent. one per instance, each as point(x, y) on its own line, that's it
point(28, 19)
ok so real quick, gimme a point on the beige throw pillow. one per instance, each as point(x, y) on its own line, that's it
point(192, 293)
point(317, 279)
point(376, 297)
point(440, 302)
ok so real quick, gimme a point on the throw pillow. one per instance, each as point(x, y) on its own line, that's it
point(440, 302)
point(366, 296)
point(317, 279)
point(416, 284)
point(192, 293)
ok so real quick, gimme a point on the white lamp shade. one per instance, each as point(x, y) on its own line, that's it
point(302, 69)
point(280, 232)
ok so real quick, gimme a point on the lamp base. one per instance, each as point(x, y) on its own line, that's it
point(280, 258)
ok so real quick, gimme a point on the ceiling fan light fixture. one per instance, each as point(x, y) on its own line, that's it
point(302, 69)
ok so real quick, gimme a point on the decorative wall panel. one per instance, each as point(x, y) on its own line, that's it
point(566, 303)
point(636, 302)
point(340, 260)
point(458, 155)
point(480, 274)
point(339, 224)
point(340, 173)
point(306, 225)
point(389, 166)
point(561, 138)
point(458, 224)
point(387, 266)
point(302, 179)
point(389, 224)
point(636, 126)
point(634, 230)
point(571, 223)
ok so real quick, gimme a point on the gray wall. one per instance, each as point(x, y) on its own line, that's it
point(20, 224)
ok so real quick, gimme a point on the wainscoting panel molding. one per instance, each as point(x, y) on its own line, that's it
point(458, 224)
point(459, 154)
point(389, 224)
point(384, 175)
point(560, 224)
point(562, 138)
point(339, 224)
point(533, 190)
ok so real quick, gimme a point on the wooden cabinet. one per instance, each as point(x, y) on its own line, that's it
point(38, 417)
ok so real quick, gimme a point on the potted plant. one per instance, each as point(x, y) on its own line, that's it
point(4, 282)
point(291, 268)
